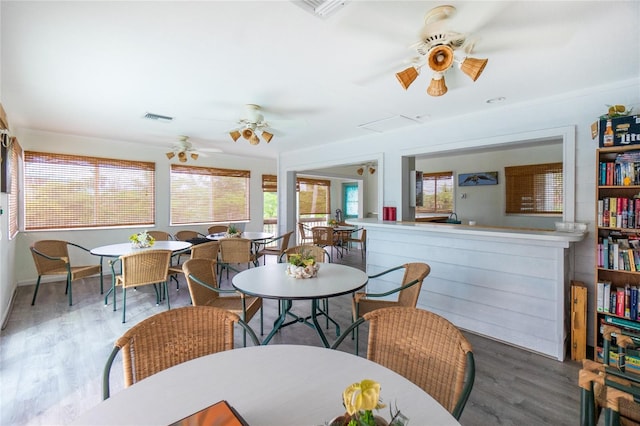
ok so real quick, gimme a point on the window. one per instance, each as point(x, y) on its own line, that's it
point(350, 202)
point(16, 155)
point(534, 189)
point(269, 202)
point(314, 196)
point(207, 195)
point(68, 191)
point(437, 192)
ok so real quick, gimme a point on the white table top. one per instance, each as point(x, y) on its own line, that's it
point(249, 235)
point(267, 385)
point(117, 250)
point(272, 282)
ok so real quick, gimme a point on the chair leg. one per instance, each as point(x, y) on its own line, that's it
point(35, 292)
point(166, 289)
point(124, 304)
point(70, 290)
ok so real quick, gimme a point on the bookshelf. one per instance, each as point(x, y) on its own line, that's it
point(617, 274)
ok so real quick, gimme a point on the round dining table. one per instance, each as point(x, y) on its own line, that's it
point(117, 250)
point(266, 385)
point(272, 282)
point(249, 235)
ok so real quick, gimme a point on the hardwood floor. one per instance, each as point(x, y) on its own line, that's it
point(52, 355)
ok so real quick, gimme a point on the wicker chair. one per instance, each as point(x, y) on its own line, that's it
point(362, 240)
point(302, 234)
point(204, 291)
point(51, 257)
point(423, 347)
point(324, 236)
point(208, 250)
point(139, 269)
point(408, 292)
point(278, 251)
point(187, 235)
point(217, 229)
point(236, 251)
point(170, 338)
point(614, 390)
point(160, 235)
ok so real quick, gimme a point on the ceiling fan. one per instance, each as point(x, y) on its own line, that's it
point(184, 149)
point(252, 122)
point(436, 49)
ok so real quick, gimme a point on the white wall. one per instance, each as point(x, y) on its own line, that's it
point(498, 125)
point(49, 142)
point(486, 203)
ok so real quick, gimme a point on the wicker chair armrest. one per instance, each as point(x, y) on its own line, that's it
point(107, 372)
point(386, 272)
point(387, 293)
point(78, 246)
point(469, 377)
point(39, 253)
point(347, 332)
point(216, 289)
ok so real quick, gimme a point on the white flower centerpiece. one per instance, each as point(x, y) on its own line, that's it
point(302, 265)
point(141, 240)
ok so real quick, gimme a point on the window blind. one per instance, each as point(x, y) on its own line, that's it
point(206, 195)
point(16, 156)
point(534, 189)
point(68, 191)
point(314, 196)
point(269, 183)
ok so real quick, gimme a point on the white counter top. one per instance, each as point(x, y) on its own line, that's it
point(477, 230)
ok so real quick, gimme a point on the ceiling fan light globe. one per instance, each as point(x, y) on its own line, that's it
point(360, 171)
point(372, 170)
point(437, 87)
point(440, 58)
point(235, 135)
point(194, 155)
point(254, 140)
point(267, 136)
point(182, 156)
point(247, 134)
point(407, 77)
point(473, 67)
point(170, 155)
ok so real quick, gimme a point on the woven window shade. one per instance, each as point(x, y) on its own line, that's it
point(534, 189)
point(437, 190)
point(206, 195)
point(269, 183)
point(16, 155)
point(68, 191)
point(314, 196)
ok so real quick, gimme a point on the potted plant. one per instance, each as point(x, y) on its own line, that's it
point(141, 240)
point(233, 232)
point(360, 399)
point(302, 265)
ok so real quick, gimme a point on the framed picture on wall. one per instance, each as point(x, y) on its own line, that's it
point(477, 179)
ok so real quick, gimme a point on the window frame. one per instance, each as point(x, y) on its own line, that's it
point(437, 176)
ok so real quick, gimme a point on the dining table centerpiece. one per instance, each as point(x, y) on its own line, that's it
point(141, 240)
point(302, 265)
point(360, 399)
point(232, 232)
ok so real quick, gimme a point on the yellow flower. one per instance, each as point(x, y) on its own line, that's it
point(362, 396)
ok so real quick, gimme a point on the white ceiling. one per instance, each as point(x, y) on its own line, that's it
point(95, 68)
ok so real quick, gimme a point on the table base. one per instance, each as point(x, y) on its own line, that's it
point(285, 311)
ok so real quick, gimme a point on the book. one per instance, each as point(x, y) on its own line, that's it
point(219, 414)
point(600, 297)
point(619, 302)
point(606, 299)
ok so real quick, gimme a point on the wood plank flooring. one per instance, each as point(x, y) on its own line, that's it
point(52, 355)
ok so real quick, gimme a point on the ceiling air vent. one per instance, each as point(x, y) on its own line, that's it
point(158, 117)
point(321, 8)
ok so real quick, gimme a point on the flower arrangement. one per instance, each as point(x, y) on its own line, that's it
point(333, 222)
point(302, 265)
point(232, 232)
point(360, 399)
point(141, 240)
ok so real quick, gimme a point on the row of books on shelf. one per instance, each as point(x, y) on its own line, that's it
point(632, 360)
point(625, 170)
point(622, 254)
point(620, 301)
point(619, 212)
